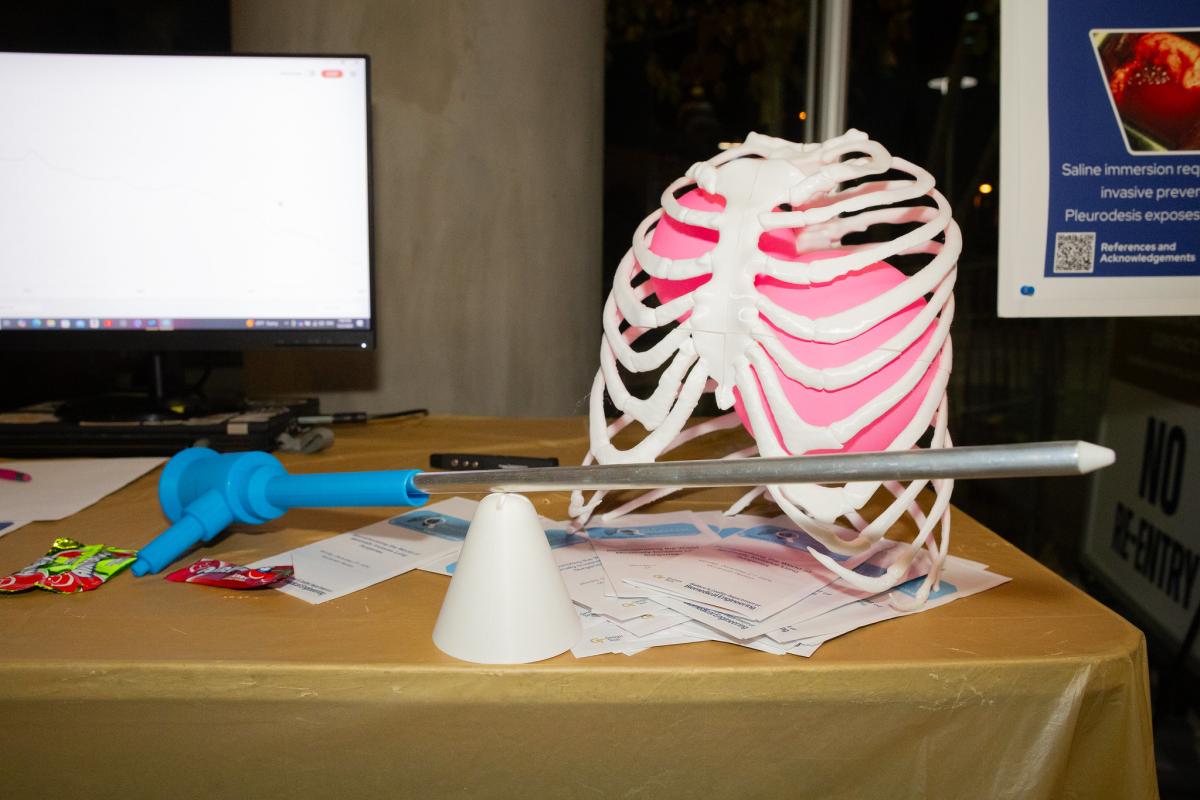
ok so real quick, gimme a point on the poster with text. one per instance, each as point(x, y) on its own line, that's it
point(1100, 159)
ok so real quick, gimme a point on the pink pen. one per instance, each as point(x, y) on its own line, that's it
point(13, 475)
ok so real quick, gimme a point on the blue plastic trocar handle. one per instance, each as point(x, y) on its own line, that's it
point(202, 492)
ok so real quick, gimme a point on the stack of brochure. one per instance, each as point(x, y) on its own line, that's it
point(653, 580)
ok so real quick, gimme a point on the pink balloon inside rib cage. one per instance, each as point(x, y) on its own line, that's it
point(677, 240)
point(765, 297)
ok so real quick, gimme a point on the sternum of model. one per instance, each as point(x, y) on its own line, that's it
point(812, 343)
point(726, 312)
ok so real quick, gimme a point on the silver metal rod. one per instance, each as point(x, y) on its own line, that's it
point(994, 461)
point(835, 68)
point(810, 71)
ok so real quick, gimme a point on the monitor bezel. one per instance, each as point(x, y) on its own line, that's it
point(103, 339)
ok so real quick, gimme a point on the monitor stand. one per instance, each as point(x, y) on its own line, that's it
point(166, 416)
point(166, 398)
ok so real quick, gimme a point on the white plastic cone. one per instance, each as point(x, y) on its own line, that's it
point(507, 603)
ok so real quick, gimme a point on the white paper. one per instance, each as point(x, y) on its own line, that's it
point(60, 488)
point(726, 525)
point(840, 593)
point(636, 548)
point(804, 650)
point(342, 564)
point(463, 512)
point(652, 621)
point(718, 619)
point(754, 573)
point(601, 636)
point(444, 565)
point(830, 611)
point(588, 585)
point(958, 580)
point(624, 608)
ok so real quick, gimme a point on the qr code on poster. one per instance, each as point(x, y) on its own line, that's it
point(1074, 252)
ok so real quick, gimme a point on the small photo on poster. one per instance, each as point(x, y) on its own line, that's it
point(1153, 80)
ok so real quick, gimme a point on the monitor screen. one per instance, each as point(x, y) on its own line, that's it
point(184, 202)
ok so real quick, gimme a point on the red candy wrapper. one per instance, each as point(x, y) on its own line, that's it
point(211, 572)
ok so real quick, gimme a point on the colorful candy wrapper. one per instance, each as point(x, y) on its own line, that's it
point(70, 567)
point(212, 572)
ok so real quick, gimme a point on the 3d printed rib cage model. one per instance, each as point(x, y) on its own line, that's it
point(764, 279)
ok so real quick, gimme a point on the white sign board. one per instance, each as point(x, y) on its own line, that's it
point(1143, 535)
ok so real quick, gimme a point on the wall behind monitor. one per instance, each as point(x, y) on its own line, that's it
point(488, 154)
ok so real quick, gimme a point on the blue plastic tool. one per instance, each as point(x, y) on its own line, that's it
point(202, 491)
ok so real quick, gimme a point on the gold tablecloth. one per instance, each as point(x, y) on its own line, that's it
point(146, 688)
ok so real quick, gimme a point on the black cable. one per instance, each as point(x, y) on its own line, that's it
point(357, 416)
point(411, 412)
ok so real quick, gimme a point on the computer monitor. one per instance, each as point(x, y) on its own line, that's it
point(185, 202)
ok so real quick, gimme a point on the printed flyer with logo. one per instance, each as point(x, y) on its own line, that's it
point(1100, 159)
